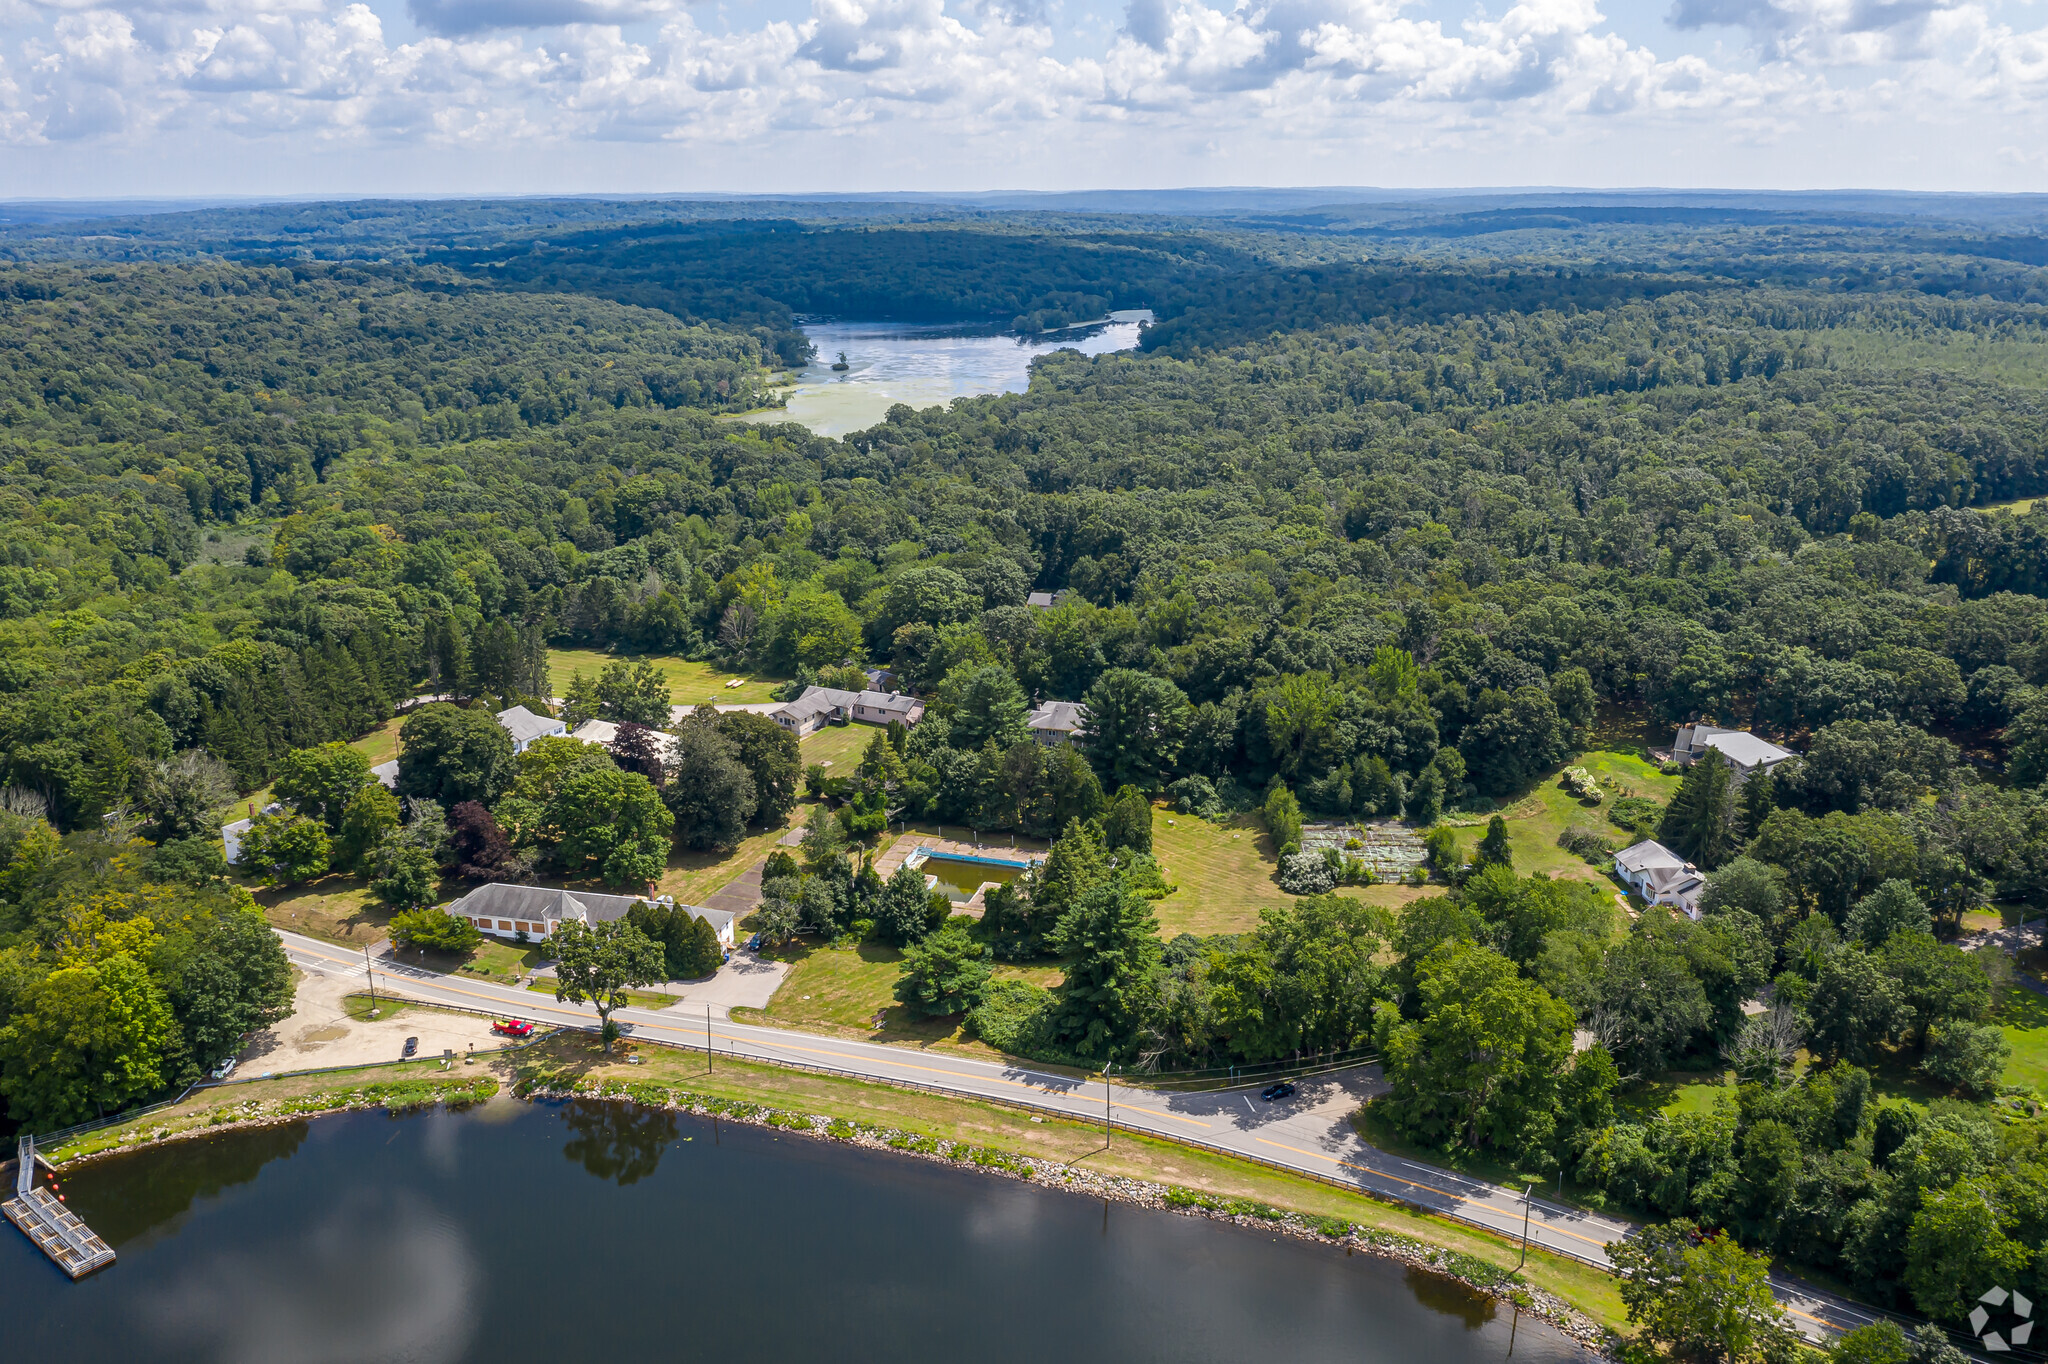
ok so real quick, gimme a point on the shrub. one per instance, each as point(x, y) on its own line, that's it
point(1195, 796)
point(1147, 878)
point(434, 929)
point(1637, 814)
point(1282, 813)
point(1015, 1016)
point(1306, 874)
point(1583, 842)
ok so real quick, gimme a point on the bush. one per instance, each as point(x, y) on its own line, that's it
point(1637, 814)
point(1147, 878)
point(1583, 842)
point(1015, 1016)
point(1195, 796)
point(1282, 813)
point(434, 929)
point(1306, 874)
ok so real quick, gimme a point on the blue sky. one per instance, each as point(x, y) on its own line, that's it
point(258, 97)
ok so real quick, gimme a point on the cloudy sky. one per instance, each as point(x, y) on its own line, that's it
point(161, 97)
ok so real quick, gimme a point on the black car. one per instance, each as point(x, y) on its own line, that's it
point(1283, 1090)
point(412, 1046)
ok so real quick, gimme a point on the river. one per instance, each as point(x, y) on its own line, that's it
point(555, 1233)
point(900, 362)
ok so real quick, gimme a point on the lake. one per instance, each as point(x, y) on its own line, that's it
point(567, 1232)
point(902, 362)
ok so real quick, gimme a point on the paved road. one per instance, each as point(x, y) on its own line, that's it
point(1309, 1133)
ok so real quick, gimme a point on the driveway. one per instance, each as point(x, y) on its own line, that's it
point(745, 982)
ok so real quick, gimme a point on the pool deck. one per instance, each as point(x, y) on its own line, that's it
point(996, 849)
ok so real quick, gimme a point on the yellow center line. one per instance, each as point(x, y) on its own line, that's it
point(836, 1055)
point(1414, 1184)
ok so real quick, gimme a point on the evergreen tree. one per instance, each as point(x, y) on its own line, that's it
point(1699, 824)
point(1758, 796)
point(1127, 824)
point(1114, 940)
point(1493, 849)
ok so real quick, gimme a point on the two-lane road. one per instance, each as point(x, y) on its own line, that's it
point(1310, 1132)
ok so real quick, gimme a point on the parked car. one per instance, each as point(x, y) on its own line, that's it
point(513, 1027)
point(754, 943)
point(224, 1069)
point(1274, 1093)
point(412, 1046)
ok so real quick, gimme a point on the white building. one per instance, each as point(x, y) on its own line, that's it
point(524, 727)
point(506, 911)
point(821, 706)
point(1056, 722)
point(1744, 751)
point(1660, 876)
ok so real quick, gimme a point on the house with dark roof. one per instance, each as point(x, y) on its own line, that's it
point(1660, 876)
point(1744, 751)
point(1056, 722)
point(505, 911)
point(1046, 601)
point(821, 706)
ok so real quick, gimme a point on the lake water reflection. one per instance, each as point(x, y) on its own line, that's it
point(895, 362)
point(595, 1231)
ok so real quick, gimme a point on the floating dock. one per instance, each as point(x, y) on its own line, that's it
point(61, 1233)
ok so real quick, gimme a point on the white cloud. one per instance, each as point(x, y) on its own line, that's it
point(931, 83)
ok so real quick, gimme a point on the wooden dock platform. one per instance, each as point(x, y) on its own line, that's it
point(61, 1233)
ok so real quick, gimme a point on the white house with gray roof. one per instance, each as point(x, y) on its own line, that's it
point(1744, 751)
point(506, 911)
point(821, 706)
point(1661, 876)
point(524, 727)
point(1056, 722)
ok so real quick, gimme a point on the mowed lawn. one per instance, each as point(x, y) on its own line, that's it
point(838, 746)
point(689, 683)
point(847, 992)
point(1222, 874)
point(1535, 821)
point(2023, 1018)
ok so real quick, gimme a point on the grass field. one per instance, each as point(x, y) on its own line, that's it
point(1535, 821)
point(337, 908)
point(845, 992)
point(689, 683)
point(2023, 1018)
point(639, 999)
point(1222, 874)
point(839, 745)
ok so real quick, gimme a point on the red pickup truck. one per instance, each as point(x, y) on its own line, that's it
point(513, 1027)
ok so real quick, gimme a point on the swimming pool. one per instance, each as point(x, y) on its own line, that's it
point(961, 877)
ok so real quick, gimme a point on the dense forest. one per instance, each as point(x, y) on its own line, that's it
point(1367, 528)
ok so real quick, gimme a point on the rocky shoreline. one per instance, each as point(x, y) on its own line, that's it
point(1480, 1275)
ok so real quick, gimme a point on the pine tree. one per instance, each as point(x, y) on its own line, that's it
point(1699, 824)
point(1493, 850)
point(1127, 824)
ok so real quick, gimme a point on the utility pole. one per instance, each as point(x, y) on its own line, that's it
point(1106, 1124)
point(1526, 1195)
point(707, 1037)
point(369, 975)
